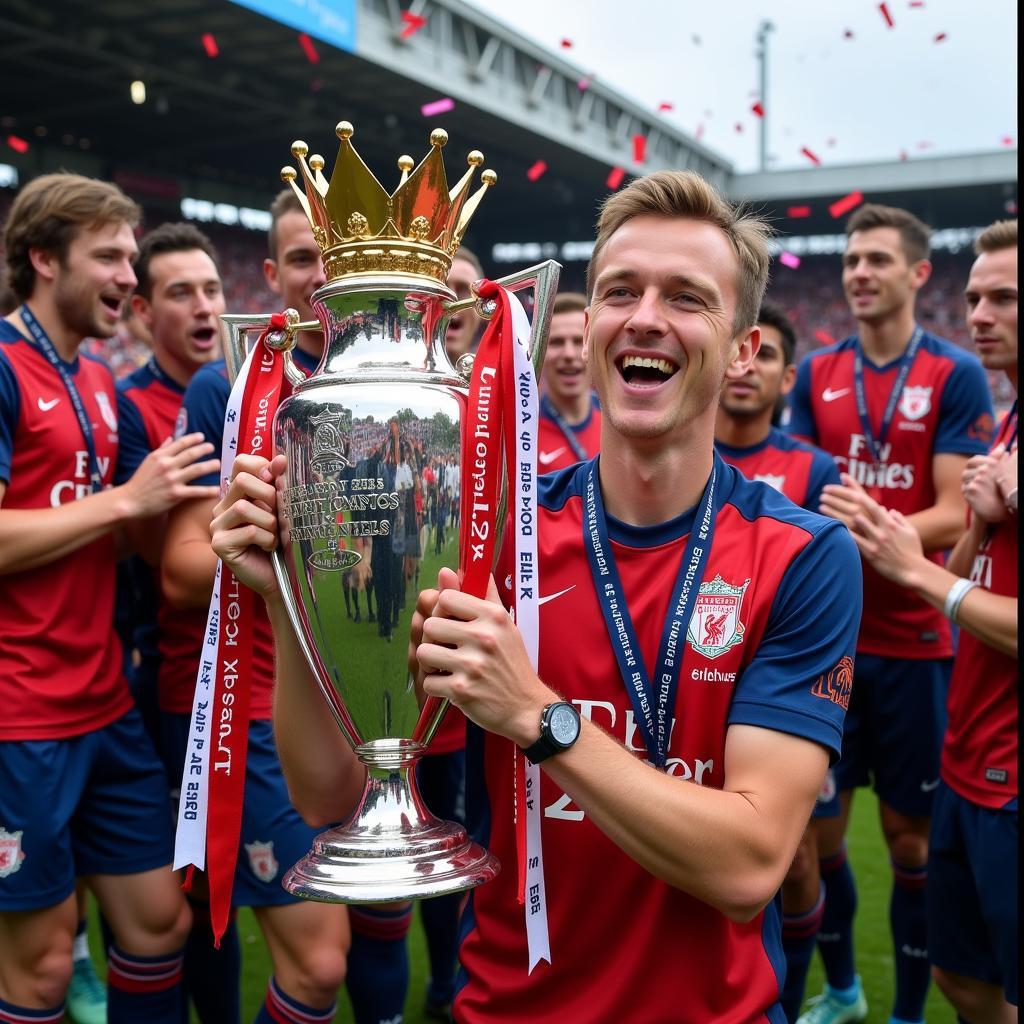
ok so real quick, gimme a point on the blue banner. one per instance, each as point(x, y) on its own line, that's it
point(332, 21)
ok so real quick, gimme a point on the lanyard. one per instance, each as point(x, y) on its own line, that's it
point(160, 374)
point(1012, 419)
point(652, 704)
point(42, 339)
point(548, 409)
point(905, 364)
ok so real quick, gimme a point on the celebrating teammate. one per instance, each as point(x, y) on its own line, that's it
point(84, 793)
point(901, 411)
point(462, 328)
point(674, 835)
point(570, 421)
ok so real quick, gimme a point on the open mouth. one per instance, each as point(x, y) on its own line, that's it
point(204, 336)
point(455, 324)
point(646, 371)
point(113, 303)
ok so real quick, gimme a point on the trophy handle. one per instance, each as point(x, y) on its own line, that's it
point(234, 333)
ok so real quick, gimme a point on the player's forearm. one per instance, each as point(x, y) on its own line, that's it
point(939, 527)
point(961, 558)
point(716, 845)
point(187, 570)
point(324, 776)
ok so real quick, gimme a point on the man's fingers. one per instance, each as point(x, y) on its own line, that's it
point(434, 658)
point(243, 512)
point(194, 471)
point(448, 579)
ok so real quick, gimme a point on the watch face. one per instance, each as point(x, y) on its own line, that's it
point(564, 724)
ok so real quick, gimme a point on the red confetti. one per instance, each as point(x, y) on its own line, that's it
point(824, 338)
point(19, 145)
point(798, 211)
point(847, 33)
point(566, 44)
point(884, 8)
point(664, 106)
point(757, 109)
point(639, 148)
point(210, 45)
point(308, 48)
point(811, 155)
point(615, 176)
point(413, 23)
point(537, 170)
point(940, 37)
point(846, 204)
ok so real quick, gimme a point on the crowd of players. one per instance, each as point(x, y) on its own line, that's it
point(783, 706)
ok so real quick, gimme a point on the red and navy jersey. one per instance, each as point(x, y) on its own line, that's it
point(979, 756)
point(148, 405)
point(553, 448)
point(770, 645)
point(60, 658)
point(796, 469)
point(945, 408)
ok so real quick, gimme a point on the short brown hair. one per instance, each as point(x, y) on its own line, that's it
point(1000, 235)
point(570, 302)
point(286, 201)
point(171, 237)
point(49, 212)
point(915, 235)
point(686, 194)
point(467, 254)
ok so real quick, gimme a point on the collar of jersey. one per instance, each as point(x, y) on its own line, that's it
point(8, 332)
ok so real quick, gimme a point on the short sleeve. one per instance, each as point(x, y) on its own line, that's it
point(133, 444)
point(966, 419)
point(203, 409)
point(10, 410)
point(823, 471)
point(801, 416)
point(802, 674)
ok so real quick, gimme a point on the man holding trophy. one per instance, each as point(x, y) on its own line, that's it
point(696, 634)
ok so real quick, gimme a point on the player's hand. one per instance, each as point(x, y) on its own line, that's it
point(472, 654)
point(426, 605)
point(980, 487)
point(847, 500)
point(244, 529)
point(165, 476)
point(1006, 477)
point(889, 543)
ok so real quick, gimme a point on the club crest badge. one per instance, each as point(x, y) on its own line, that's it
point(716, 625)
point(915, 402)
point(106, 410)
point(262, 860)
point(11, 853)
point(778, 482)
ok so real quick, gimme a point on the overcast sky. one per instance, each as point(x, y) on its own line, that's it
point(870, 96)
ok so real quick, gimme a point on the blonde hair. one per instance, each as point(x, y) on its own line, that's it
point(1000, 235)
point(686, 194)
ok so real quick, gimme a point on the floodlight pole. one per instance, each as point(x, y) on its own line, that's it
point(762, 61)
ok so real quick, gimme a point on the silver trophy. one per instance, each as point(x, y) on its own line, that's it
point(384, 405)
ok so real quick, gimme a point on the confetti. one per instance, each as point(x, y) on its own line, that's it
point(664, 106)
point(413, 23)
point(738, 128)
point(846, 204)
point(847, 33)
point(1006, 140)
point(798, 211)
point(903, 154)
point(308, 48)
point(916, 3)
point(824, 338)
point(615, 176)
point(536, 171)
point(639, 148)
point(19, 145)
point(210, 44)
point(811, 155)
point(441, 106)
point(757, 109)
point(884, 9)
point(788, 259)
point(924, 144)
point(940, 37)
point(566, 44)
point(700, 131)
point(584, 83)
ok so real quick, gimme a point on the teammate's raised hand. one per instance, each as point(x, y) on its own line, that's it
point(165, 476)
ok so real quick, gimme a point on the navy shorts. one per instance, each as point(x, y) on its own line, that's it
point(273, 836)
point(892, 737)
point(826, 804)
point(972, 891)
point(94, 804)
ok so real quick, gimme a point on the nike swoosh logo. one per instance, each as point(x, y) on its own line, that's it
point(47, 406)
point(546, 458)
point(551, 597)
point(828, 395)
point(927, 787)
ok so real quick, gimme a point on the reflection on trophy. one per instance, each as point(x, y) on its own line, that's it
point(384, 405)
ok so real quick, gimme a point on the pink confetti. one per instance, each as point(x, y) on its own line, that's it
point(757, 109)
point(584, 84)
point(846, 204)
point(824, 338)
point(639, 148)
point(664, 106)
point(811, 155)
point(308, 48)
point(536, 170)
point(615, 176)
point(437, 107)
point(788, 259)
point(884, 9)
point(1006, 140)
point(210, 44)
point(18, 144)
point(700, 131)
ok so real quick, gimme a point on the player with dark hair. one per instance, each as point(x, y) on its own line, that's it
point(570, 419)
point(743, 606)
point(462, 328)
point(972, 882)
point(901, 411)
point(84, 793)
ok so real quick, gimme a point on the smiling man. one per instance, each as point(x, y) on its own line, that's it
point(685, 731)
point(570, 420)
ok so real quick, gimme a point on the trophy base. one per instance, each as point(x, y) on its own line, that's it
point(392, 848)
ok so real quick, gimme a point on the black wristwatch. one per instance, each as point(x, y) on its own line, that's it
point(559, 730)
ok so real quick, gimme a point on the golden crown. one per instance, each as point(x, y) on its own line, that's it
point(361, 229)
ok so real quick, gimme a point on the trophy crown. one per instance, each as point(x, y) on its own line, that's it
point(361, 229)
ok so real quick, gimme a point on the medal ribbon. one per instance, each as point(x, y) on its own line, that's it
point(213, 776)
point(905, 363)
point(42, 340)
point(652, 705)
point(1011, 419)
point(567, 432)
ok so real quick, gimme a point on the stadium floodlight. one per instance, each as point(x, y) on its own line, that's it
point(138, 92)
